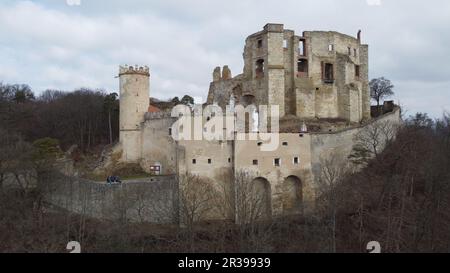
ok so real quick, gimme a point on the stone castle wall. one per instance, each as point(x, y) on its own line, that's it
point(153, 200)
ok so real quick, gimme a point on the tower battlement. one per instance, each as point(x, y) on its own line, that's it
point(129, 69)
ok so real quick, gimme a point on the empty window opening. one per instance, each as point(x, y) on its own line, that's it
point(260, 143)
point(302, 68)
point(209, 161)
point(229, 160)
point(255, 161)
point(330, 47)
point(260, 68)
point(170, 131)
point(285, 43)
point(285, 143)
point(328, 73)
point(357, 71)
point(349, 51)
point(194, 161)
point(301, 48)
point(296, 160)
point(277, 162)
point(355, 52)
point(259, 44)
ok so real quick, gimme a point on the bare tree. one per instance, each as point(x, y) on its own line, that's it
point(370, 141)
point(334, 169)
point(380, 89)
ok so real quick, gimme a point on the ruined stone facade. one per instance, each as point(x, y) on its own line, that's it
point(317, 77)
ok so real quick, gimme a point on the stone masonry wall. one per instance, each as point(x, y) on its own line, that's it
point(153, 200)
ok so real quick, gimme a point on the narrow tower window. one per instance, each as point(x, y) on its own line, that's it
point(357, 72)
point(259, 43)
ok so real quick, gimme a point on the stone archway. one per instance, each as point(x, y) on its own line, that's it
point(292, 195)
point(247, 99)
point(261, 197)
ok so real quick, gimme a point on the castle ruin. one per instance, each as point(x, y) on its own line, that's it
point(319, 80)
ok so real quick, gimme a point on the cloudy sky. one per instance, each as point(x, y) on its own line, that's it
point(67, 44)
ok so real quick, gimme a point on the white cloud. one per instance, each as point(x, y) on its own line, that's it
point(51, 45)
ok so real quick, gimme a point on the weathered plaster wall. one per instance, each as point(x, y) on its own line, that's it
point(249, 150)
point(158, 145)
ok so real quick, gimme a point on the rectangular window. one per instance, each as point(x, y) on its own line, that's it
point(285, 143)
point(277, 162)
point(357, 72)
point(285, 44)
point(229, 160)
point(301, 48)
point(330, 47)
point(327, 72)
point(355, 52)
point(194, 161)
point(170, 131)
point(349, 51)
point(255, 162)
point(296, 160)
point(209, 161)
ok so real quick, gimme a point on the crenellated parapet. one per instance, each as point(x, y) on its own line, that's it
point(157, 115)
point(129, 69)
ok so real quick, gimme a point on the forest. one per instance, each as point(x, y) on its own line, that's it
point(399, 197)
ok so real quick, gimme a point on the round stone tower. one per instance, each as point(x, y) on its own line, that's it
point(134, 102)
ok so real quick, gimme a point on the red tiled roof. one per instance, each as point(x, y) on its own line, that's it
point(153, 109)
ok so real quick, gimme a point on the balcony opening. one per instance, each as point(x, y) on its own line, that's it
point(301, 48)
point(302, 68)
